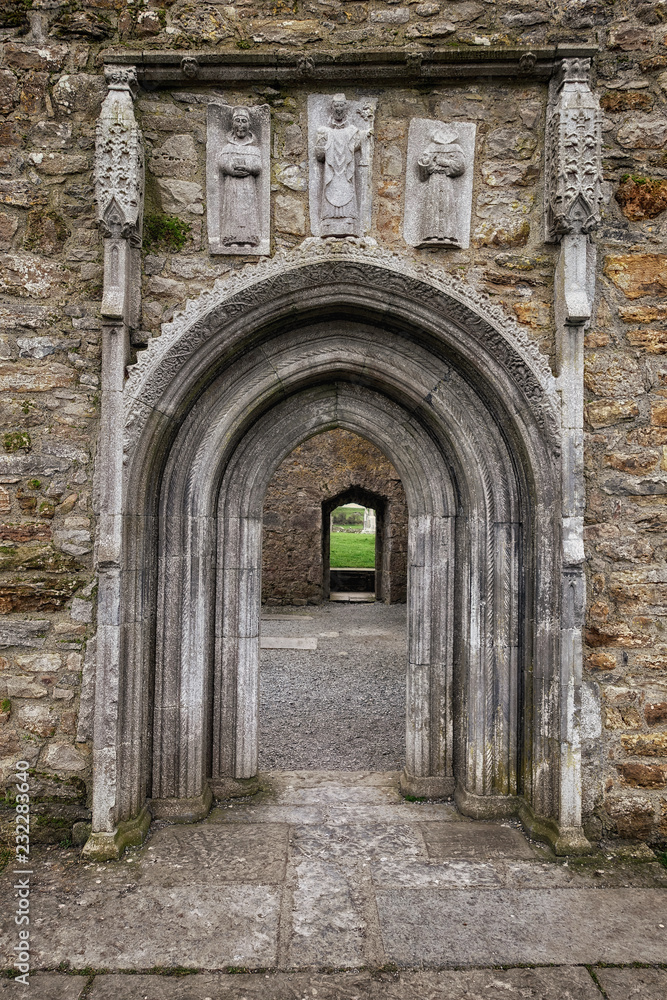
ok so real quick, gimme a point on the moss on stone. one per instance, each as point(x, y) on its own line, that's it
point(17, 441)
point(165, 232)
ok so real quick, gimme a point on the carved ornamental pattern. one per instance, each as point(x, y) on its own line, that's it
point(119, 157)
point(341, 262)
point(573, 154)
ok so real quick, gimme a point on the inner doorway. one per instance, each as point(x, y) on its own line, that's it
point(333, 673)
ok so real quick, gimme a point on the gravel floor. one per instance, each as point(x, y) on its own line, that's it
point(343, 706)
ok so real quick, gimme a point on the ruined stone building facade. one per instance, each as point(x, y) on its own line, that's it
point(439, 226)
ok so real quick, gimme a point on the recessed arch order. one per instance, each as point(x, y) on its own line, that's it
point(466, 409)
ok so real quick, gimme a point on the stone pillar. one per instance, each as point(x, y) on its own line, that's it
point(119, 188)
point(572, 200)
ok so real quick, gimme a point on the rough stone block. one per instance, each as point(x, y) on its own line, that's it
point(633, 984)
point(475, 841)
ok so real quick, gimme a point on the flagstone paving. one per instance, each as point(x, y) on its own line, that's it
point(323, 880)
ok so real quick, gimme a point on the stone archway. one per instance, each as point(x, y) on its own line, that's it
point(466, 410)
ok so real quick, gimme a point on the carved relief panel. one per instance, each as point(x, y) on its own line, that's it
point(438, 184)
point(340, 154)
point(238, 179)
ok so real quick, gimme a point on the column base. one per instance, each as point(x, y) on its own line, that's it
point(429, 787)
point(563, 840)
point(109, 845)
point(235, 788)
point(183, 810)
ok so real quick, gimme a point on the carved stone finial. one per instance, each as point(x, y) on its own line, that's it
point(119, 189)
point(573, 154)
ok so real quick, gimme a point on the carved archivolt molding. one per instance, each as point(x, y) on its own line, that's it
point(335, 261)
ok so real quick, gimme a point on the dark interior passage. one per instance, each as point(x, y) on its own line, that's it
point(341, 706)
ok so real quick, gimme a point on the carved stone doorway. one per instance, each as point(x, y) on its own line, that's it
point(466, 410)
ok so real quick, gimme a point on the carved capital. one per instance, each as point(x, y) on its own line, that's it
point(573, 153)
point(122, 78)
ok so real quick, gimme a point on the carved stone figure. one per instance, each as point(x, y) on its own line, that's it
point(237, 167)
point(441, 161)
point(439, 184)
point(340, 140)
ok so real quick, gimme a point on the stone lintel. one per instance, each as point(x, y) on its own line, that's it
point(160, 68)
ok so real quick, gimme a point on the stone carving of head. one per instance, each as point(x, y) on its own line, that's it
point(339, 107)
point(240, 122)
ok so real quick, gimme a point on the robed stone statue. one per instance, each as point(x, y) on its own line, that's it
point(240, 164)
point(238, 179)
point(441, 161)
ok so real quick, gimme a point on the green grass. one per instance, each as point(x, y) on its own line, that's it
point(349, 549)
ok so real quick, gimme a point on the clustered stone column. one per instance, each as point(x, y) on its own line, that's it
point(572, 201)
point(119, 191)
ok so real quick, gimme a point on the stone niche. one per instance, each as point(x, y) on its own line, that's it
point(326, 471)
point(438, 184)
point(340, 164)
point(238, 179)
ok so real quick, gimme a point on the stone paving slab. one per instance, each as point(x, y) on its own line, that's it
point(336, 815)
point(367, 842)
point(45, 986)
point(504, 927)
point(634, 984)
point(328, 926)
point(479, 841)
point(146, 926)
point(214, 854)
point(571, 983)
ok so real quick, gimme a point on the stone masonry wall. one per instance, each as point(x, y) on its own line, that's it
point(319, 470)
point(51, 88)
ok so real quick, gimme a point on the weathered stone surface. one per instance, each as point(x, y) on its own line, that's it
point(626, 100)
point(607, 412)
point(610, 375)
point(290, 215)
point(643, 775)
point(654, 745)
point(643, 132)
point(179, 197)
point(48, 57)
point(642, 197)
point(638, 274)
point(37, 719)
point(47, 986)
point(633, 984)
point(287, 32)
point(16, 378)
point(27, 274)
point(632, 816)
point(651, 341)
point(80, 92)
point(64, 759)
point(19, 633)
point(25, 687)
point(9, 91)
point(39, 662)
point(177, 157)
